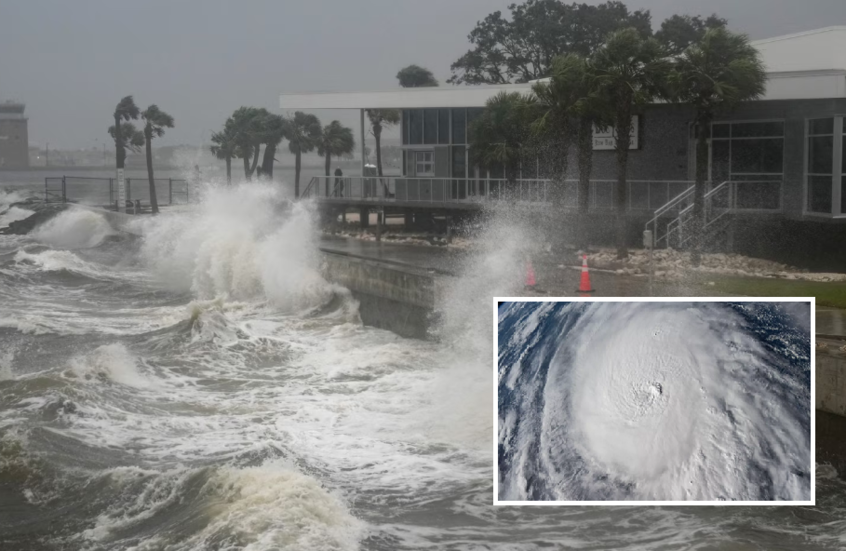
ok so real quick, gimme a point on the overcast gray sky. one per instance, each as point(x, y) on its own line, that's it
point(71, 61)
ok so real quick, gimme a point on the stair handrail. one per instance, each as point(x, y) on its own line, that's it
point(307, 191)
point(675, 225)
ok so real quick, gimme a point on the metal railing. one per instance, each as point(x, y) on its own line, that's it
point(758, 196)
point(644, 195)
point(103, 191)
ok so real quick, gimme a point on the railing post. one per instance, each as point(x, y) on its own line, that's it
point(64, 191)
point(129, 189)
point(170, 191)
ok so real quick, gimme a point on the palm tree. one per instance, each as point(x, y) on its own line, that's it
point(156, 122)
point(379, 120)
point(224, 147)
point(630, 72)
point(714, 76)
point(501, 131)
point(303, 134)
point(273, 129)
point(336, 139)
point(126, 110)
point(246, 123)
point(130, 137)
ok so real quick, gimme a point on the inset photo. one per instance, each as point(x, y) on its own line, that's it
point(654, 401)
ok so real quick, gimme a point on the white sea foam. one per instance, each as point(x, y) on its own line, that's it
point(243, 242)
point(74, 229)
point(112, 362)
point(13, 214)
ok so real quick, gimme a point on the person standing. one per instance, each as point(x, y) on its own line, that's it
point(339, 182)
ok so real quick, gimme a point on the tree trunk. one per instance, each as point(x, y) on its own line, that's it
point(623, 128)
point(267, 160)
point(327, 165)
point(585, 162)
point(256, 151)
point(229, 169)
point(377, 133)
point(702, 135)
point(297, 175)
point(148, 139)
point(247, 168)
point(120, 153)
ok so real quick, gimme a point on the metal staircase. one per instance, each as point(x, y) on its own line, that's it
point(678, 231)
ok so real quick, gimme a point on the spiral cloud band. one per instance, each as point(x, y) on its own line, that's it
point(655, 401)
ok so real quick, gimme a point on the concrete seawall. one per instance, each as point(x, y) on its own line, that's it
point(392, 295)
point(831, 404)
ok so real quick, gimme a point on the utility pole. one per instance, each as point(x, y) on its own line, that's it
point(47, 154)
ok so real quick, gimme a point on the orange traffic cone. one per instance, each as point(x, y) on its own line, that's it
point(584, 284)
point(530, 275)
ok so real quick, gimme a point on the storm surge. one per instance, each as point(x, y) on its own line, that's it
point(653, 401)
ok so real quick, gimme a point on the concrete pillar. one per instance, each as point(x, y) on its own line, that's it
point(408, 219)
point(344, 216)
point(364, 217)
point(379, 225)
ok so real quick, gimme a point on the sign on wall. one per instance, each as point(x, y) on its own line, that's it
point(603, 138)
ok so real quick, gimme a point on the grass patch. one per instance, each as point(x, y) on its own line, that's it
point(827, 293)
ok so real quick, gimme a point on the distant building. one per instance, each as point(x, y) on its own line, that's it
point(14, 138)
point(777, 165)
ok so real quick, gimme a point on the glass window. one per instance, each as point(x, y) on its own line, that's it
point(820, 126)
point(719, 131)
point(443, 126)
point(424, 163)
point(415, 126)
point(757, 129)
point(405, 127)
point(459, 132)
point(430, 126)
point(459, 162)
point(759, 156)
point(472, 115)
point(820, 154)
point(819, 194)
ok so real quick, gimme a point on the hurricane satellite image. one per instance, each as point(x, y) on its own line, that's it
point(654, 401)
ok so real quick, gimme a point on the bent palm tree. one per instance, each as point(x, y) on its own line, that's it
point(630, 72)
point(379, 120)
point(224, 147)
point(156, 122)
point(273, 129)
point(125, 110)
point(246, 128)
point(714, 76)
point(335, 139)
point(501, 131)
point(303, 134)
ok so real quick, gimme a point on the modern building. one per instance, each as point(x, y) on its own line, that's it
point(14, 140)
point(777, 166)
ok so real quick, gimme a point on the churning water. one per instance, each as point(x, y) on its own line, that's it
point(202, 387)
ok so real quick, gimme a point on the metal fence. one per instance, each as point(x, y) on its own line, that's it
point(103, 191)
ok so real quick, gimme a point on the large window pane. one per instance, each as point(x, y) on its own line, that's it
point(472, 115)
point(757, 156)
point(415, 127)
point(459, 134)
point(819, 194)
point(820, 154)
point(430, 126)
point(443, 126)
point(821, 126)
point(459, 162)
point(720, 131)
point(757, 129)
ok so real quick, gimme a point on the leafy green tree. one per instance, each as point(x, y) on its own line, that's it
point(224, 147)
point(630, 72)
point(415, 76)
point(335, 139)
point(714, 75)
point(502, 131)
point(379, 120)
point(553, 130)
point(246, 126)
point(680, 31)
point(522, 48)
point(304, 132)
point(125, 110)
point(155, 122)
